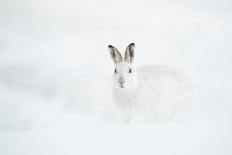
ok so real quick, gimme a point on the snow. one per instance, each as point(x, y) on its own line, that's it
point(55, 75)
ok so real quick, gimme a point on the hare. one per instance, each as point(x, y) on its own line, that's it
point(154, 93)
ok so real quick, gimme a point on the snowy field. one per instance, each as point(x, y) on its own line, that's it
point(55, 75)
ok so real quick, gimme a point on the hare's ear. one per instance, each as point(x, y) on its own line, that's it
point(115, 55)
point(129, 54)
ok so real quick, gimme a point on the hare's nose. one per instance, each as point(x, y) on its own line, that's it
point(121, 80)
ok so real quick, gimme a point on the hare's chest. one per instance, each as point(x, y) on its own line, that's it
point(125, 100)
point(135, 101)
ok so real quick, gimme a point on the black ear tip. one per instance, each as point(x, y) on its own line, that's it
point(132, 44)
point(110, 46)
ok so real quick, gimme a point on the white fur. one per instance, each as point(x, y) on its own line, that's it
point(154, 93)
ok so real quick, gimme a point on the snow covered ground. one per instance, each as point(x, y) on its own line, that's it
point(55, 74)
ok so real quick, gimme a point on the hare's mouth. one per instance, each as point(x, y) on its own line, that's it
point(121, 85)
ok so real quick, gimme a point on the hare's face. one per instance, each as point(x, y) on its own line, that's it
point(125, 76)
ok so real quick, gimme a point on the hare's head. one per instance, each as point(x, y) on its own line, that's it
point(125, 76)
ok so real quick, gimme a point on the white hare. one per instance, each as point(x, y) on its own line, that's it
point(154, 92)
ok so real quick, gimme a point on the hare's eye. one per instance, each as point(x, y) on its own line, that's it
point(130, 71)
point(115, 71)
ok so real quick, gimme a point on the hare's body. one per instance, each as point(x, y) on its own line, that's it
point(155, 92)
point(161, 94)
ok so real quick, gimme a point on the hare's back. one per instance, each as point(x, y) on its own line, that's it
point(162, 75)
point(172, 88)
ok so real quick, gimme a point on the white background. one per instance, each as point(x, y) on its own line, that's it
point(55, 75)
